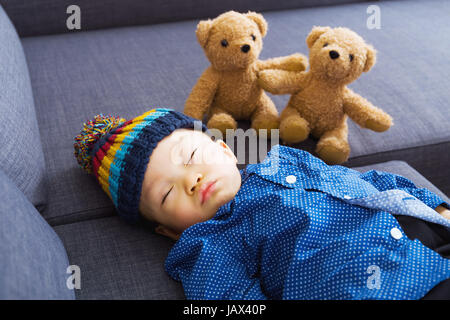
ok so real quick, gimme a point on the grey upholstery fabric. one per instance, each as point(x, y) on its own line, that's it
point(119, 261)
point(431, 161)
point(38, 17)
point(126, 71)
point(21, 156)
point(33, 260)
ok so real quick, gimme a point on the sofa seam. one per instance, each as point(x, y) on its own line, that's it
point(49, 221)
point(395, 150)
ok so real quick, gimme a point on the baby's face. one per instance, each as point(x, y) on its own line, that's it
point(188, 178)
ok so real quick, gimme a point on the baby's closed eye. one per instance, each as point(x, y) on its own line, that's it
point(165, 196)
point(192, 155)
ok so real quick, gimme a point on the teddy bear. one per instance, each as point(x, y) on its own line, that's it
point(228, 89)
point(320, 101)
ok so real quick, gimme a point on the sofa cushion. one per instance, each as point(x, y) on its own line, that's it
point(33, 260)
point(119, 261)
point(38, 17)
point(21, 156)
point(126, 71)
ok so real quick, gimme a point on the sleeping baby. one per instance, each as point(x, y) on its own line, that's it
point(290, 227)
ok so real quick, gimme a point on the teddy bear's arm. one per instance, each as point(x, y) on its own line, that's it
point(202, 94)
point(281, 82)
point(364, 113)
point(294, 62)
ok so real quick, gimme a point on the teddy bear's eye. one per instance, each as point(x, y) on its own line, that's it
point(325, 45)
point(253, 37)
point(351, 57)
point(224, 43)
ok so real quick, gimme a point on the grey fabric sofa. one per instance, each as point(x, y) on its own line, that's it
point(129, 57)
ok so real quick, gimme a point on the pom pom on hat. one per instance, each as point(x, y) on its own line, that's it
point(92, 131)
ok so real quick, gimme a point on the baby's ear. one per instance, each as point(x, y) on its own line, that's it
point(371, 57)
point(228, 151)
point(202, 31)
point(315, 33)
point(259, 20)
point(167, 232)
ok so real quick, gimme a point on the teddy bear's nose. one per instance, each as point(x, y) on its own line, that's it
point(245, 48)
point(334, 54)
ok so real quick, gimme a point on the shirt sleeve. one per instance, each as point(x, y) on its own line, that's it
point(213, 268)
point(388, 181)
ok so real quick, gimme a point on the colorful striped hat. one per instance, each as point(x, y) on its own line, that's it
point(117, 152)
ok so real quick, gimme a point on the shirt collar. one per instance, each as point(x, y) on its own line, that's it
point(245, 173)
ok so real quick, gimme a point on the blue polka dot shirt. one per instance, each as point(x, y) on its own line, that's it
point(300, 229)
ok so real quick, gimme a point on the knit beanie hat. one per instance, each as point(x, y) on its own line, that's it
point(117, 152)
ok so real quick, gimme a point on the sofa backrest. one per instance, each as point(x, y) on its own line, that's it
point(21, 155)
point(38, 17)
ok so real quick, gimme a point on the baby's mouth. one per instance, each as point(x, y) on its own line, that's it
point(206, 191)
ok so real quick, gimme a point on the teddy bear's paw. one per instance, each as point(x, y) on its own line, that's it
point(333, 151)
point(268, 123)
point(266, 78)
point(222, 122)
point(294, 129)
point(296, 62)
point(379, 125)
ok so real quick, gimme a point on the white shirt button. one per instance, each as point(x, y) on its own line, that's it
point(291, 179)
point(396, 233)
point(347, 197)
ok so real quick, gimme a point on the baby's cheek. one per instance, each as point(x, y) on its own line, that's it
point(186, 218)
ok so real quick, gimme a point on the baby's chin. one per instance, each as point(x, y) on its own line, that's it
point(226, 190)
point(208, 211)
point(216, 201)
point(220, 198)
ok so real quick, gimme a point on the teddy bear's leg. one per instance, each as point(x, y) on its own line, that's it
point(293, 128)
point(221, 120)
point(265, 115)
point(333, 147)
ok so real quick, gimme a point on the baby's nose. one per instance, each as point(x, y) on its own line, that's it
point(195, 185)
point(245, 48)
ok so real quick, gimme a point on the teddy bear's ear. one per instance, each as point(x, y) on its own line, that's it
point(315, 33)
point(259, 20)
point(202, 31)
point(371, 57)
